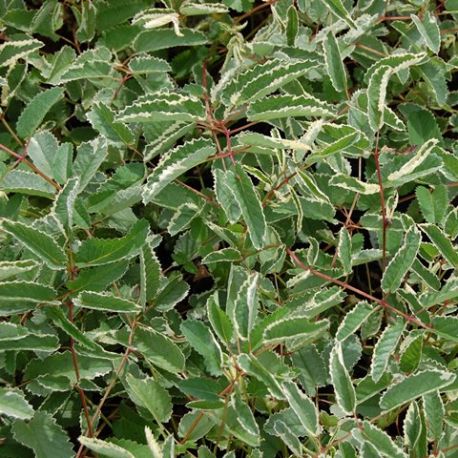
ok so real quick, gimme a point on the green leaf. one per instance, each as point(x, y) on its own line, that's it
point(97, 278)
point(414, 386)
point(89, 157)
point(340, 378)
point(334, 63)
point(429, 31)
point(106, 302)
point(86, 29)
point(14, 404)
point(421, 124)
point(44, 436)
point(12, 50)
point(292, 25)
point(106, 449)
point(434, 73)
point(149, 394)
point(23, 182)
point(16, 338)
point(155, 40)
point(354, 319)
point(434, 414)
point(353, 184)
point(220, 322)
point(376, 92)
point(172, 293)
point(445, 326)
point(39, 243)
point(378, 83)
point(367, 388)
point(51, 158)
point(411, 353)
point(150, 269)
point(401, 261)
point(312, 367)
point(64, 205)
point(285, 329)
point(414, 430)
point(402, 174)
point(332, 148)
point(282, 430)
point(285, 106)
point(245, 426)
point(426, 275)
point(252, 366)
point(175, 163)
point(224, 255)
point(159, 350)
point(256, 139)
point(35, 111)
point(145, 65)
point(164, 106)
point(338, 9)
point(442, 243)
point(384, 349)
point(448, 292)
point(201, 388)
point(102, 119)
point(28, 291)
point(10, 269)
point(61, 321)
point(96, 252)
point(248, 201)
point(380, 440)
point(344, 248)
point(189, 8)
point(303, 407)
point(225, 196)
point(168, 447)
point(433, 205)
point(203, 341)
point(263, 79)
point(182, 218)
point(88, 67)
point(163, 135)
point(61, 365)
point(245, 310)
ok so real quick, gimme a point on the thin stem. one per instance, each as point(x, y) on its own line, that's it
point(254, 11)
point(123, 80)
point(394, 18)
point(228, 154)
point(195, 191)
point(349, 287)
point(111, 385)
point(246, 126)
point(31, 165)
point(284, 182)
point(373, 51)
point(10, 130)
point(199, 417)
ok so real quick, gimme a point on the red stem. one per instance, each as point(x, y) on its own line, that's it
point(346, 286)
point(31, 165)
point(382, 199)
point(77, 374)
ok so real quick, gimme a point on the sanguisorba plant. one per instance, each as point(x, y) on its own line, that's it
point(228, 228)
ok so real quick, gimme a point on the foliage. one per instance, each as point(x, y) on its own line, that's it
point(228, 228)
